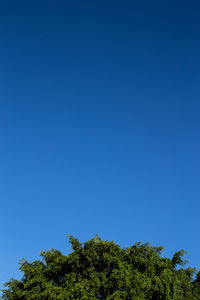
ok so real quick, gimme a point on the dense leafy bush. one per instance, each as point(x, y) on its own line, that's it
point(102, 270)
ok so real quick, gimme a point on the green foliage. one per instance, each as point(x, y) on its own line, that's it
point(100, 269)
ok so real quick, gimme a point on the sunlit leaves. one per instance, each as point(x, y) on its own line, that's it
point(100, 269)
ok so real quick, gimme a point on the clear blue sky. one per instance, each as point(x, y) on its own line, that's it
point(99, 125)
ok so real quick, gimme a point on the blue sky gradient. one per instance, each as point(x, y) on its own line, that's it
point(99, 125)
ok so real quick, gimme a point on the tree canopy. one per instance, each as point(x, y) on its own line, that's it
point(100, 269)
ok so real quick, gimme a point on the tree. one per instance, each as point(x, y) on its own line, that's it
point(100, 269)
